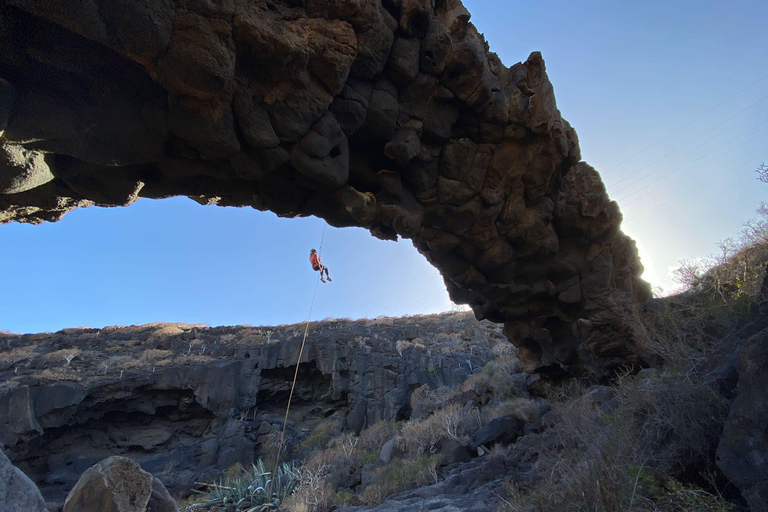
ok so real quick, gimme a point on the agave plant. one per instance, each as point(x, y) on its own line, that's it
point(252, 493)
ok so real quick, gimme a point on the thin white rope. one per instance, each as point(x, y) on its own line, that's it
point(296, 373)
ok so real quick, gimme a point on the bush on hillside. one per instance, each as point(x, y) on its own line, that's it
point(733, 277)
point(401, 475)
point(425, 400)
point(634, 454)
point(374, 437)
point(321, 434)
point(418, 437)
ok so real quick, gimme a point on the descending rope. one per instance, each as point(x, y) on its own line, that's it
point(322, 238)
point(296, 373)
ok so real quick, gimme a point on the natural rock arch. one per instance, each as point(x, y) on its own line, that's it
point(391, 115)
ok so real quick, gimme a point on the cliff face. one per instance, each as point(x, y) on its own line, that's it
point(387, 114)
point(189, 402)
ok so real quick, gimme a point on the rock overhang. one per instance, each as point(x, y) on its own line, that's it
point(389, 115)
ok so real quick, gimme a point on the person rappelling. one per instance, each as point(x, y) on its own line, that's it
point(317, 265)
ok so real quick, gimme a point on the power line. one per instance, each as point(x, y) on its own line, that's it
point(692, 170)
point(426, 304)
point(680, 147)
point(728, 79)
point(686, 124)
point(689, 163)
point(696, 187)
point(693, 162)
point(412, 298)
point(436, 287)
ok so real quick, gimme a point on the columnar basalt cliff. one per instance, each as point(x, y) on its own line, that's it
point(392, 115)
point(187, 402)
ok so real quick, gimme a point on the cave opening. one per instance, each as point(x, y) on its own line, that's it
point(158, 428)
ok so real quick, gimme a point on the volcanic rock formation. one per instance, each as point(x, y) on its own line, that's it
point(391, 115)
point(189, 402)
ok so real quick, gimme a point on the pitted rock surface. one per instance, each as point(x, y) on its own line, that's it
point(115, 484)
point(389, 115)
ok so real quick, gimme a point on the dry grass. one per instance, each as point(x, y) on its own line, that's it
point(17, 354)
point(418, 437)
point(401, 475)
point(522, 408)
point(313, 494)
point(424, 400)
point(373, 438)
point(154, 354)
point(57, 374)
point(61, 356)
point(165, 331)
point(630, 457)
point(193, 358)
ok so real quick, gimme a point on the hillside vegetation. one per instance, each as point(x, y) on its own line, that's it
point(647, 441)
point(472, 431)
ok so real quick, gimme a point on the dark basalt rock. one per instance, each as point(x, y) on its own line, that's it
point(392, 116)
point(17, 492)
point(118, 484)
point(744, 442)
point(504, 430)
point(188, 417)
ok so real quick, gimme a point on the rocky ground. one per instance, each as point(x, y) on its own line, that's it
point(188, 402)
point(422, 413)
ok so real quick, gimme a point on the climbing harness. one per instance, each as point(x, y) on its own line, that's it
point(296, 373)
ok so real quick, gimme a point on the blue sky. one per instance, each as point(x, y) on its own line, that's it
point(670, 101)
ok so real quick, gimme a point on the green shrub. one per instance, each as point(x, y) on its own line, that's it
point(374, 437)
point(401, 475)
point(661, 431)
point(676, 497)
point(270, 446)
point(346, 499)
point(320, 435)
point(497, 376)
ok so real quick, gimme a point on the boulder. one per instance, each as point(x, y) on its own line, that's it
point(546, 421)
point(503, 430)
point(598, 395)
point(404, 60)
point(17, 492)
point(389, 450)
point(116, 484)
point(741, 454)
point(453, 451)
point(160, 500)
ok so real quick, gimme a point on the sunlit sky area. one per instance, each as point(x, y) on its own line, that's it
point(670, 101)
